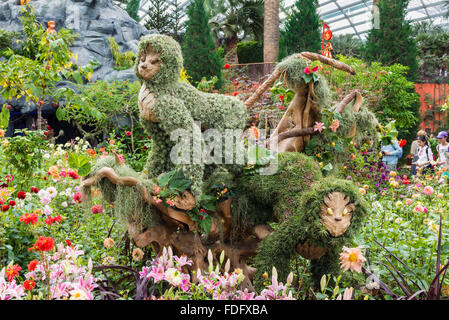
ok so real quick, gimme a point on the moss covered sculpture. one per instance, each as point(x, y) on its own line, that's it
point(166, 104)
point(316, 215)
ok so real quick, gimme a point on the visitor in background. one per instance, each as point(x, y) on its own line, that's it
point(414, 150)
point(424, 155)
point(390, 154)
point(443, 149)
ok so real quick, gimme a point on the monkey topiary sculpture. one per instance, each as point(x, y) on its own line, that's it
point(316, 215)
point(166, 105)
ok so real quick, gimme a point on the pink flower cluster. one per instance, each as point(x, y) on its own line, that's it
point(67, 277)
point(219, 286)
point(10, 289)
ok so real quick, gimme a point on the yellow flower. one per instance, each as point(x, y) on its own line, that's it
point(398, 220)
point(366, 187)
point(393, 173)
point(333, 144)
point(5, 143)
point(362, 191)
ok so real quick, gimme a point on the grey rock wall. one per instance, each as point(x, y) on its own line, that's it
point(94, 20)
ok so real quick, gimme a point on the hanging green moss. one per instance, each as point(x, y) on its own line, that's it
point(294, 66)
point(129, 205)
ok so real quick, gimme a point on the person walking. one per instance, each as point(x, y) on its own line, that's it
point(424, 155)
point(414, 151)
point(391, 152)
point(443, 149)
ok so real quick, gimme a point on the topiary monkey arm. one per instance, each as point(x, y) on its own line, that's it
point(174, 116)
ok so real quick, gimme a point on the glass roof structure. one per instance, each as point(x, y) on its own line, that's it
point(355, 16)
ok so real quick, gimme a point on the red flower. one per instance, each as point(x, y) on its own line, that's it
point(32, 265)
point(73, 175)
point(307, 70)
point(48, 128)
point(12, 271)
point(402, 142)
point(51, 220)
point(35, 190)
point(227, 66)
point(315, 69)
point(12, 203)
point(281, 97)
point(98, 208)
point(5, 208)
point(128, 133)
point(43, 244)
point(29, 285)
point(69, 243)
point(21, 195)
point(29, 218)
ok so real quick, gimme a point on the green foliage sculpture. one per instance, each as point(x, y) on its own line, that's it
point(166, 104)
point(165, 206)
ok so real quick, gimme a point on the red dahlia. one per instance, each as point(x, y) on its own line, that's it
point(21, 195)
point(29, 285)
point(32, 265)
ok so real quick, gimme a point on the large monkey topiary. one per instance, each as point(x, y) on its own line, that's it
point(166, 104)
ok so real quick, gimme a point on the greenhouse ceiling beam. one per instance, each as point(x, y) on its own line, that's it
point(341, 8)
point(352, 15)
point(347, 18)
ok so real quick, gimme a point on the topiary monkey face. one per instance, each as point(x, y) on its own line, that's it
point(336, 213)
point(149, 63)
point(160, 60)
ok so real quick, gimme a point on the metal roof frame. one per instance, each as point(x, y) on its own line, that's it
point(347, 11)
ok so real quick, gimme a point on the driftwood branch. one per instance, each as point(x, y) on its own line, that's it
point(262, 88)
point(349, 97)
point(332, 62)
point(296, 133)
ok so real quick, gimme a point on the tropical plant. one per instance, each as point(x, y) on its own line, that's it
point(46, 60)
point(232, 20)
point(123, 60)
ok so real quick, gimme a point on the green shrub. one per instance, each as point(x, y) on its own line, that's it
point(124, 60)
point(250, 51)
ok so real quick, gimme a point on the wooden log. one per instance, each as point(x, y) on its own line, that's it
point(263, 87)
point(332, 62)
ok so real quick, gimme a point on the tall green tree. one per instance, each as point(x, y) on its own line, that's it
point(302, 29)
point(200, 56)
point(132, 7)
point(158, 17)
point(177, 13)
point(392, 41)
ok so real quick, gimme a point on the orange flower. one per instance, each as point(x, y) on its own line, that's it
point(352, 258)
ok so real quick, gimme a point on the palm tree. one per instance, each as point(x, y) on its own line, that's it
point(270, 33)
point(233, 20)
